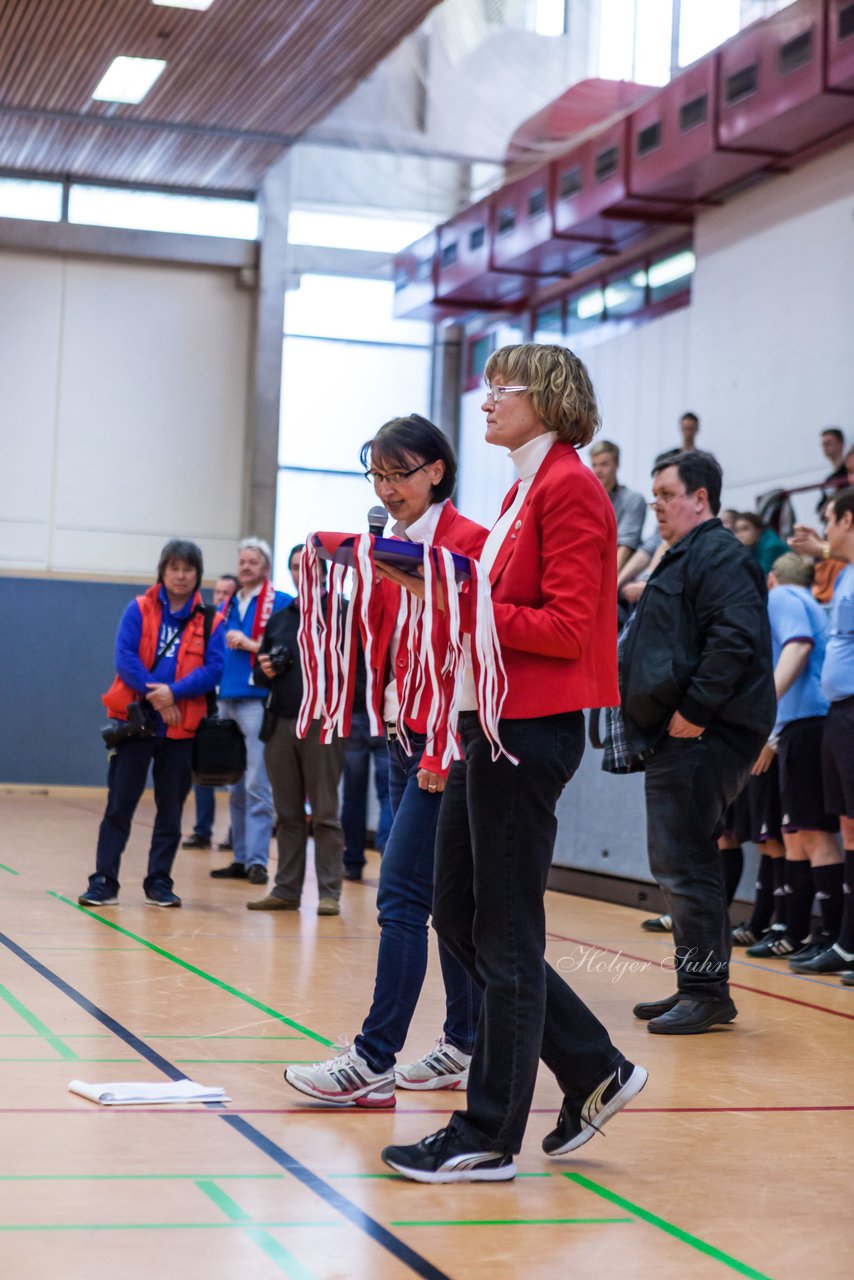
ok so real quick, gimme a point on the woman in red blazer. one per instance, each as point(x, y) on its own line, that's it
point(413, 470)
point(551, 559)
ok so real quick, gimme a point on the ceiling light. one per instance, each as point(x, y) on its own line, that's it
point(183, 4)
point(128, 79)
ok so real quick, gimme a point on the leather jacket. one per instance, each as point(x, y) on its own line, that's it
point(700, 644)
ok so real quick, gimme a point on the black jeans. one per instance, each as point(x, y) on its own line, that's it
point(128, 773)
point(689, 783)
point(494, 848)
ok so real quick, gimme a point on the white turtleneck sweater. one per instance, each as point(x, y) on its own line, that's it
point(527, 460)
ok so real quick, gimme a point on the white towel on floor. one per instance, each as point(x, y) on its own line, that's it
point(125, 1094)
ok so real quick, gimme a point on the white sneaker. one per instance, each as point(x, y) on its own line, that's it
point(444, 1067)
point(344, 1080)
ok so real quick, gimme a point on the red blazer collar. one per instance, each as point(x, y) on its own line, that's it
point(558, 450)
point(446, 519)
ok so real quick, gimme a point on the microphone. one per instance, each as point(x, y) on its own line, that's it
point(377, 517)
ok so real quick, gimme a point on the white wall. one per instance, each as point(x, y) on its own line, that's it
point(123, 392)
point(764, 353)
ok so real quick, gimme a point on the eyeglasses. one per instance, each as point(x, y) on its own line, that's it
point(665, 499)
point(495, 394)
point(393, 477)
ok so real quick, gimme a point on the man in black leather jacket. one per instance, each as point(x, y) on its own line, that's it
point(697, 687)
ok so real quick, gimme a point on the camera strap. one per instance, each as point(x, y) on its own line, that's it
point(210, 613)
point(185, 622)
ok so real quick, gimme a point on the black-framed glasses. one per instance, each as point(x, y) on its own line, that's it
point(393, 477)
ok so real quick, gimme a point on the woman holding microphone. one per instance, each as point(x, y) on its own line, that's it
point(412, 467)
point(552, 565)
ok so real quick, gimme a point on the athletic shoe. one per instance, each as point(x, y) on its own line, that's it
point(578, 1122)
point(225, 846)
point(99, 894)
point(658, 924)
point(160, 895)
point(691, 1017)
point(272, 903)
point(196, 842)
point(344, 1080)
point(847, 979)
point(829, 961)
point(329, 907)
point(445, 1157)
point(257, 874)
point(777, 942)
point(743, 936)
point(235, 871)
point(444, 1067)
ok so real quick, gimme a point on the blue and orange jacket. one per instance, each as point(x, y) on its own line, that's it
point(190, 672)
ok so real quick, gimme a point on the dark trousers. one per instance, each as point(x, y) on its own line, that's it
point(300, 768)
point(205, 811)
point(128, 773)
point(689, 782)
point(494, 848)
point(359, 749)
point(404, 902)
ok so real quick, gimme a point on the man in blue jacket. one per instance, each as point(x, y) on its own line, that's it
point(240, 699)
point(169, 656)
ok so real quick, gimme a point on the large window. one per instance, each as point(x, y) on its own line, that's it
point(348, 366)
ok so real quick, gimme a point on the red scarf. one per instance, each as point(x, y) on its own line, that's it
point(264, 602)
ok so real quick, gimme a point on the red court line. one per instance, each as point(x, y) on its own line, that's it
point(740, 986)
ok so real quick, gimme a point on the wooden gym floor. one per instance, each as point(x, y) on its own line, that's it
point(734, 1160)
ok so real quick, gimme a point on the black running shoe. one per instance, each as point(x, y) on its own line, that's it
point(578, 1122)
point(743, 936)
point(445, 1157)
point(235, 871)
point(777, 942)
point(658, 924)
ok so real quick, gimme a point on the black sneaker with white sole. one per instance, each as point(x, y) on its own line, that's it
point(446, 1157)
point(578, 1121)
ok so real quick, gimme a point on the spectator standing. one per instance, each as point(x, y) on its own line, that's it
point(298, 768)
point(205, 797)
point(689, 426)
point(360, 748)
point(762, 541)
point(629, 506)
point(698, 705)
point(246, 615)
point(833, 448)
point(837, 682)
point(813, 864)
point(165, 667)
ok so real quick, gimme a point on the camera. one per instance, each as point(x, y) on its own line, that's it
point(281, 658)
point(141, 723)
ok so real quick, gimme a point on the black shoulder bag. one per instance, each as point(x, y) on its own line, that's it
point(219, 747)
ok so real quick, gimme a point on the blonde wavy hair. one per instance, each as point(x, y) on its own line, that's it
point(558, 385)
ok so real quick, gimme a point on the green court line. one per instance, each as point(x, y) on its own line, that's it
point(200, 973)
point(279, 1254)
point(59, 1045)
point(507, 1222)
point(11, 870)
point(694, 1241)
point(223, 1201)
point(276, 1252)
